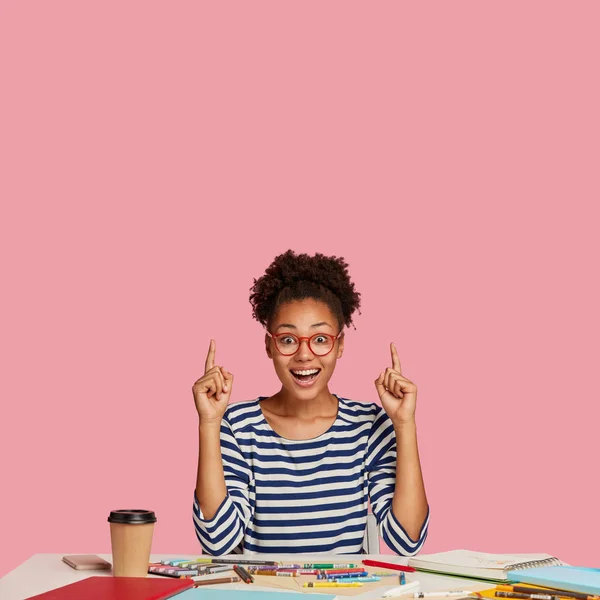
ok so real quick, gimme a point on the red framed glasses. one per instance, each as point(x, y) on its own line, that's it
point(320, 344)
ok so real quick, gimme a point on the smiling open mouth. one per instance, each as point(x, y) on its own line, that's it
point(305, 377)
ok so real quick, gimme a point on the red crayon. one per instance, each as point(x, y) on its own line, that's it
point(386, 565)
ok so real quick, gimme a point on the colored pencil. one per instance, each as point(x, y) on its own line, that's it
point(339, 571)
point(246, 577)
point(318, 584)
point(244, 561)
point(329, 566)
point(217, 580)
point(386, 565)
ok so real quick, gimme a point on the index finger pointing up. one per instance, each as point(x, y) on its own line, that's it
point(395, 358)
point(210, 359)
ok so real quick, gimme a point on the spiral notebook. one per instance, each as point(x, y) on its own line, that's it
point(481, 565)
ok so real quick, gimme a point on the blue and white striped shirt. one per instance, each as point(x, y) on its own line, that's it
point(287, 496)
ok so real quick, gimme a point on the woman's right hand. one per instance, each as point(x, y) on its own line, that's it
point(213, 390)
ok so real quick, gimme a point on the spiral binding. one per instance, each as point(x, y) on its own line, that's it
point(531, 564)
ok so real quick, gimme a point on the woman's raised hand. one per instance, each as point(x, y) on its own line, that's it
point(398, 395)
point(213, 390)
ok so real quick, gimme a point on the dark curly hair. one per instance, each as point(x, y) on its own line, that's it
point(298, 276)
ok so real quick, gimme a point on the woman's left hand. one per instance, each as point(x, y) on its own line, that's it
point(398, 395)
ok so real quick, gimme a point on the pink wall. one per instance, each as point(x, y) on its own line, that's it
point(157, 156)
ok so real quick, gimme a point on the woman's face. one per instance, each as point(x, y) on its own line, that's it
point(304, 318)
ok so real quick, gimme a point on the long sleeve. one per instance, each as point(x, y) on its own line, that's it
point(224, 533)
point(381, 473)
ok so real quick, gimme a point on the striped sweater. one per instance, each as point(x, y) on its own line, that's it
point(311, 496)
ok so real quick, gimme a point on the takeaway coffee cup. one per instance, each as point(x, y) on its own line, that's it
point(131, 539)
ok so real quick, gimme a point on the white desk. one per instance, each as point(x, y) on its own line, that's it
point(43, 572)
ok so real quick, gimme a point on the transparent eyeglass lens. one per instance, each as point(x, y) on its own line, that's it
point(319, 344)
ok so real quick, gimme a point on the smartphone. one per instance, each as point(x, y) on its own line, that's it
point(86, 562)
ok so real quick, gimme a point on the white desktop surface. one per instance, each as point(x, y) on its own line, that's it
point(44, 572)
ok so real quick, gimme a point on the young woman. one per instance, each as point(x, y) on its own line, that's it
point(294, 472)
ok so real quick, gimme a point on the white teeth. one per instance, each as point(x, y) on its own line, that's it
point(310, 372)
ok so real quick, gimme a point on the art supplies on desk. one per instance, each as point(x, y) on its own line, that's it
point(571, 579)
point(347, 579)
point(480, 565)
point(344, 580)
point(117, 588)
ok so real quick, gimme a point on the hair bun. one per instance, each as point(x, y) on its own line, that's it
point(297, 276)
